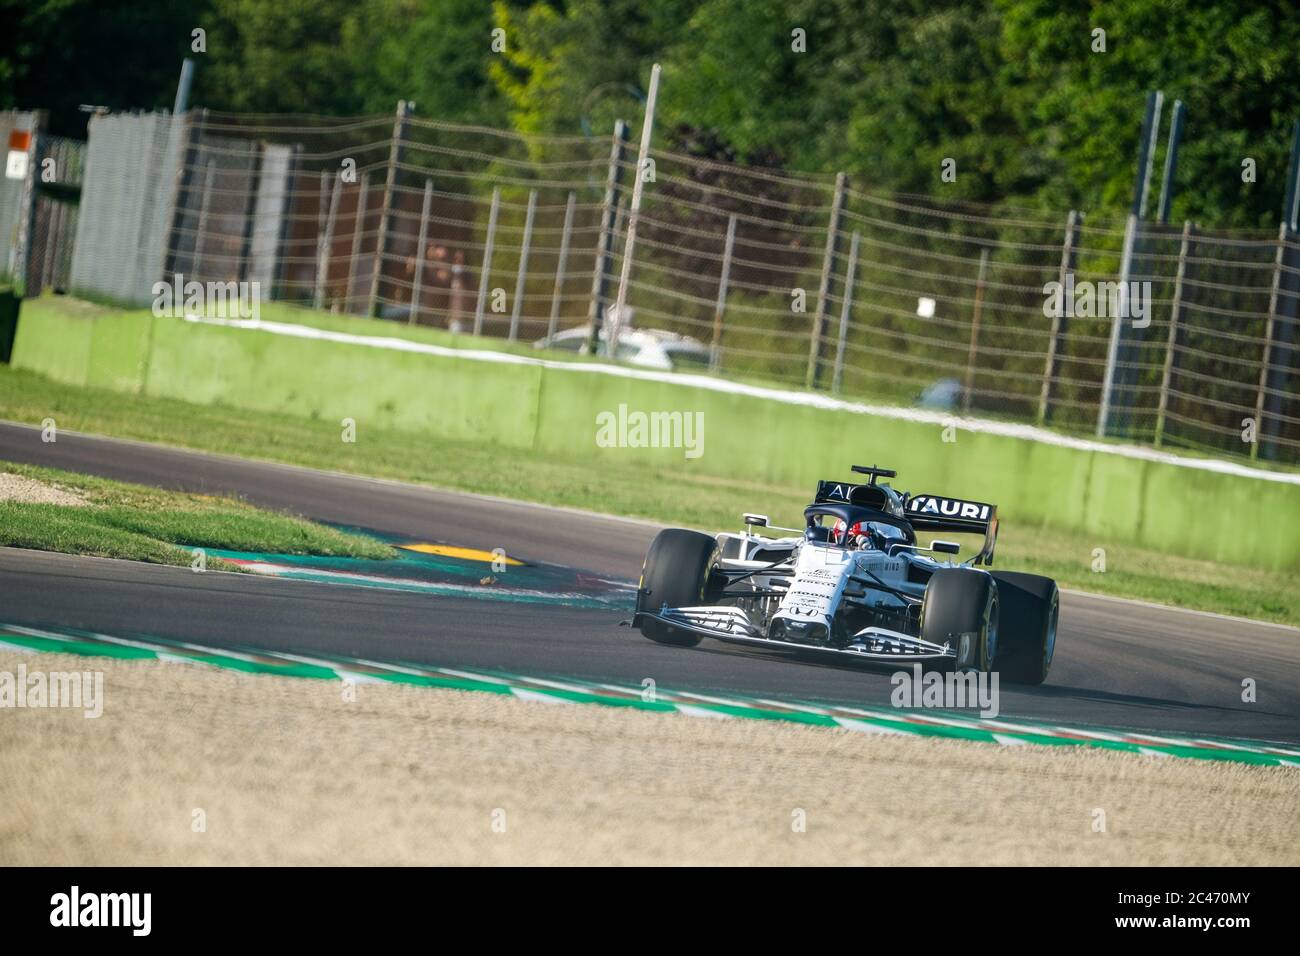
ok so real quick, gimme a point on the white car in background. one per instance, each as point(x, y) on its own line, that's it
point(648, 348)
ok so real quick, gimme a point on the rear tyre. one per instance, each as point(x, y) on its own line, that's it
point(961, 610)
point(678, 572)
point(1030, 611)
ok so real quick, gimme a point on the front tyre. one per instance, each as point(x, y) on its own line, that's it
point(961, 609)
point(677, 573)
point(1031, 607)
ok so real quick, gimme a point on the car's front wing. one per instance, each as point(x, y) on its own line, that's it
point(726, 623)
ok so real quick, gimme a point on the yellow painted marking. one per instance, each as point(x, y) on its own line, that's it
point(465, 554)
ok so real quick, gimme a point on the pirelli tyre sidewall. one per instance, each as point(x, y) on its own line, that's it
point(678, 572)
point(961, 609)
point(1030, 611)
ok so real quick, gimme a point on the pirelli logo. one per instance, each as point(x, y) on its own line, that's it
point(932, 506)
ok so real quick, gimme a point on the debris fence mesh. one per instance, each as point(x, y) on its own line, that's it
point(828, 284)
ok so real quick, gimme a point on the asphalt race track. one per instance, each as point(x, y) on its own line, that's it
point(1118, 664)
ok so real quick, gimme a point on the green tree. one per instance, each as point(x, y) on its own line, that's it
point(281, 56)
point(343, 57)
point(436, 54)
point(576, 67)
point(1012, 90)
point(884, 91)
point(123, 54)
point(1233, 63)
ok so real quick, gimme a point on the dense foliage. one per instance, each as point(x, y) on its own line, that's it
point(1016, 91)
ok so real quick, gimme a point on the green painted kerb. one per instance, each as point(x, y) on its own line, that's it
point(573, 691)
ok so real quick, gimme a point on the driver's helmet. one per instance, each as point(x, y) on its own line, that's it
point(864, 534)
point(850, 535)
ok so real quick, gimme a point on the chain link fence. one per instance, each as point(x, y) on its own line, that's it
point(804, 280)
point(389, 216)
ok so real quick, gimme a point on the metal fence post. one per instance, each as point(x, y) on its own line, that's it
point(557, 294)
point(358, 227)
point(605, 246)
point(486, 271)
point(1147, 151)
point(824, 288)
point(204, 204)
point(1171, 163)
point(183, 87)
point(634, 213)
point(286, 218)
point(1171, 345)
point(620, 224)
point(1117, 327)
point(395, 150)
point(194, 122)
point(421, 245)
point(250, 210)
point(521, 278)
point(1291, 201)
point(1270, 333)
point(975, 330)
point(1060, 325)
point(1117, 392)
point(323, 251)
point(845, 308)
point(322, 216)
point(715, 351)
point(322, 207)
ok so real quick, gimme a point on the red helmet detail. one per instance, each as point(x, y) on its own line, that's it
point(838, 536)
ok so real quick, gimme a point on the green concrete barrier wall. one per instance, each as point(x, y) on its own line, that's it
point(1150, 503)
point(53, 342)
point(1156, 504)
point(118, 346)
point(452, 399)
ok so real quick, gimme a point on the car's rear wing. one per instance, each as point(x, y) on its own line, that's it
point(829, 490)
point(939, 513)
point(846, 492)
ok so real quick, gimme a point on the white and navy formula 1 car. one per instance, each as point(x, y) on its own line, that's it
point(855, 583)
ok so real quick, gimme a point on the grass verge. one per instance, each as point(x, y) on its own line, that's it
point(121, 520)
point(634, 488)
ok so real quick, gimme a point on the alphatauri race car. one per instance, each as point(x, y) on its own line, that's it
point(854, 583)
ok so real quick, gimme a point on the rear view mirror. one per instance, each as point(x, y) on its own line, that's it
point(758, 521)
point(945, 547)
